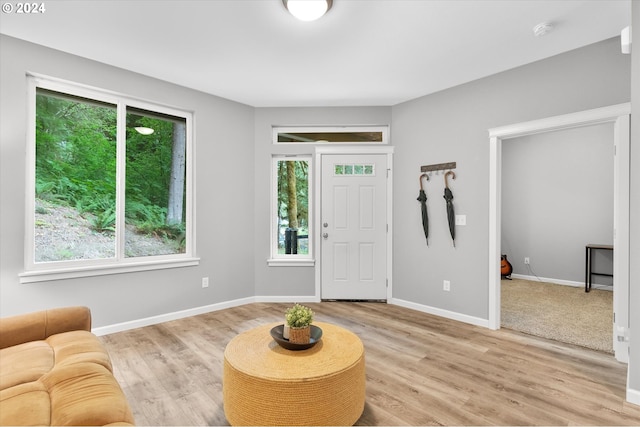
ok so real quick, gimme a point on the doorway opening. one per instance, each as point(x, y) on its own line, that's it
point(557, 197)
point(619, 116)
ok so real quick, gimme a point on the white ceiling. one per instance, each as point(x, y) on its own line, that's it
point(363, 52)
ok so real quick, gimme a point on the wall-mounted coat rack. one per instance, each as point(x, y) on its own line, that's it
point(438, 167)
point(448, 196)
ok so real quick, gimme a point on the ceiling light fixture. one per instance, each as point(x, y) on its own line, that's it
point(144, 130)
point(542, 28)
point(308, 10)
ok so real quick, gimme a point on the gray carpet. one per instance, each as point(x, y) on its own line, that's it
point(562, 313)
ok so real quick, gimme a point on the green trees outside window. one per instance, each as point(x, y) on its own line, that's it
point(155, 182)
point(78, 180)
point(293, 206)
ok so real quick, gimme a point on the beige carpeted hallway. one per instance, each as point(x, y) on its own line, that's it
point(562, 313)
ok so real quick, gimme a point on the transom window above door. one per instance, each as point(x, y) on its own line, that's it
point(331, 135)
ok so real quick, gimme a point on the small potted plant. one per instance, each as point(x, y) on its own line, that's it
point(299, 318)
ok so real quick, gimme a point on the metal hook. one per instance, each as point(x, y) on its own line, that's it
point(425, 176)
point(446, 183)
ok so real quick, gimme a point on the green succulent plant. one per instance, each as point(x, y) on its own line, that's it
point(298, 316)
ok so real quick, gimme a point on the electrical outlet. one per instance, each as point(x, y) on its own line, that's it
point(446, 285)
point(205, 282)
point(526, 260)
point(461, 220)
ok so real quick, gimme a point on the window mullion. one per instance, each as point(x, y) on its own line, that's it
point(190, 186)
point(121, 154)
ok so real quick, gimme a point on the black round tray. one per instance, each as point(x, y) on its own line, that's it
point(276, 333)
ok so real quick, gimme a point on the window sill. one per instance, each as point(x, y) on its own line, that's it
point(89, 271)
point(282, 262)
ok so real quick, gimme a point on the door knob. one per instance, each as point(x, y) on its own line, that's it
point(325, 225)
point(325, 235)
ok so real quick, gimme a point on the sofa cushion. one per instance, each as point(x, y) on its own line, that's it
point(85, 394)
point(25, 404)
point(37, 326)
point(78, 347)
point(79, 394)
point(65, 379)
point(25, 363)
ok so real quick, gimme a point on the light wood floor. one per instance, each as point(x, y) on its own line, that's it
point(421, 370)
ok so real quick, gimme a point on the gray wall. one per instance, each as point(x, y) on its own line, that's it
point(224, 138)
point(452, 126)
point(291, 281)
point(634, 273)
point(233, 243)
point(557, 196)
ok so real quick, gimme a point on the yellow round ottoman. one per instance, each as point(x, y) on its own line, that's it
point(265, 384)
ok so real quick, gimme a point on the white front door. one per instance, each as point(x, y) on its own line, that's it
point(353, 227)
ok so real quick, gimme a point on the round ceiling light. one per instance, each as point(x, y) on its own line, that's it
point(308, 10)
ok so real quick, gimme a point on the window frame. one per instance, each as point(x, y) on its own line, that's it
point(384, 129)
point(55, 270)
point(289, 260)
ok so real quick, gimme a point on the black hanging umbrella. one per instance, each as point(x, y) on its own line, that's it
point(451, 216)
point(422, 198)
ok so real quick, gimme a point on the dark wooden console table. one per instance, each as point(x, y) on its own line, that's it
point(588, 257)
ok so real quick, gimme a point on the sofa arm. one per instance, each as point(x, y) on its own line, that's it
point(39, 325)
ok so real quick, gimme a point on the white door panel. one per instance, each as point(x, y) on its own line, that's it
point(354, 227)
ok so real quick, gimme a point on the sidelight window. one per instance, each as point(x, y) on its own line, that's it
point(291, 209)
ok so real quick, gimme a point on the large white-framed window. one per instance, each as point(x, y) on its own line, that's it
point(291, 211)
point(109, 183)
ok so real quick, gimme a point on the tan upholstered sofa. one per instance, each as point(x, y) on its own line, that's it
point(54, 371)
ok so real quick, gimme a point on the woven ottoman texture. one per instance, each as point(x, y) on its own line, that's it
point(265, 384)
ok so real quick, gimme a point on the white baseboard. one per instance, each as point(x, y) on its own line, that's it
point(440, 312)
point(559, 281)
point(154, 320)
point(633, 396)
point(290, 299)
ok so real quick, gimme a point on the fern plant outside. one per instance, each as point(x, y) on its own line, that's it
point(76, 166)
